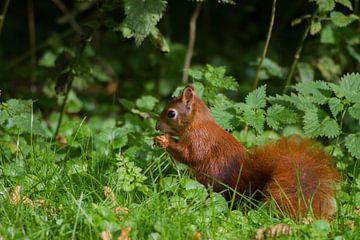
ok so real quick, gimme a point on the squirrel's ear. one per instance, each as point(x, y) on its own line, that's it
point(187, 96)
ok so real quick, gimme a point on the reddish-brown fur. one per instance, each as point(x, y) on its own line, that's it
point(296, 173)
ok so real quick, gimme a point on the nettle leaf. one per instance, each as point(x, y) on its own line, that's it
point(270, 68)
point(301, 102)
point(327, 35)
point(195, 72)
point(345, 3)
point(325, 5)
point(316, 92)
point(223, 112)
point(350, 86)
point(216, 77)
point(142, 16)
point(341, 20)
point(315, 125)
point(335, 106)
point(352, 143)
point(277, 114)
point(146, 103)
point(255, 118)
point(355, 111)
point(257, 98)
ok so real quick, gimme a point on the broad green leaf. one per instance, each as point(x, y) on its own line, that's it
point(341, 20)
point(335, 106)
point(257, 98)
point(216, 77)
point(325, 5)
point(158, 40)
point(146, 103)
point(223, 112)
point(314, 126)
point(277, 114)
point(316, 92)
point(195, 72)
point(142, 16)
point(327, 35)
point(350, 86)
point(315, 27)
point(345, 3)
point(355, 110)
point(352, 143)
point(255, 118)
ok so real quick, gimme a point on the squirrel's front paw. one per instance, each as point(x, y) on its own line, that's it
point(162, 140)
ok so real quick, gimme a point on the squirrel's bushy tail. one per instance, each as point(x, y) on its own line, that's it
point(298, 175)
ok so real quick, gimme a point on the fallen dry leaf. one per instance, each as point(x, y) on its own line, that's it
point(196, 235)
point(124, 235)
point(105, 235)
point(357, 210)
point(350, 224)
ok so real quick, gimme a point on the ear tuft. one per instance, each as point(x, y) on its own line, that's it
point(187, 95)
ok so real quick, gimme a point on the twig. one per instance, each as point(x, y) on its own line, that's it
point(191, 44)
point(3, 14)
point(32, 38)
point(72, 20)
point(266, 46)
point(298, 53)
point(62, 111)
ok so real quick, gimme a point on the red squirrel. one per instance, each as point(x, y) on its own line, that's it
point(296, 173)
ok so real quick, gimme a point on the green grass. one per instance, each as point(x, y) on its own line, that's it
point(163, 200)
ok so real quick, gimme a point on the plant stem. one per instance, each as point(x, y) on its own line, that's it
point(298, 53)
point(62, 111)
point(32, 41)
point(191, 44)
point(3, 14)
point(266, 46)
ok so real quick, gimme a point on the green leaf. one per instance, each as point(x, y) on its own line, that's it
point(195, 72)
point(345, 3)
point(315, 125)
point(257, 98)
point(350, 86)
point(352, 143)
point(142, 16)
point(270, 68)
point(315, 27)
point(277, 114)
point(306, 72)
point(341, 20)
point(316, 92)
point(325, 5)
point(256, 119)
point(216, 77)
point(327, 35)
point(355, 111)
point(223, 113)
point(335, 106)
point(146, 103)
point(159, 41)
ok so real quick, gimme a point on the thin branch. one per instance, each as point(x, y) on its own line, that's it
point(266, 46)
point(32, 39)
point(298, 53)
point(62, 110)
point(77, 28)
point(191, 44)
point(3, 14)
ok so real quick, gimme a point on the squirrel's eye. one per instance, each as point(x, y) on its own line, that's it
point(171, 114)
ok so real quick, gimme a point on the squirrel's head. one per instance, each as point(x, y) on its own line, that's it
point(181, 112)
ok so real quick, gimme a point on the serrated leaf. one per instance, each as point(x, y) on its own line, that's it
point(223, 112)
point(350, 86)
point(146, 103)
point(301, 102)
point(142, 16)
point(315, 27)
point(355, 111)
point(341, 20)
point(352, 143)
point(335, 106)
point(325, 5)
point(277, 114)
point(257, 98)
point(158, 40)
point(216, 77)
point(314, 91)
point(195, 72)
point(345, 3)
point(255, 118)
point(270, 68)
point(326, 126)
